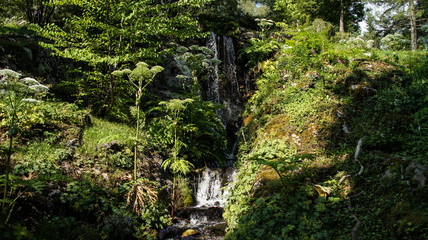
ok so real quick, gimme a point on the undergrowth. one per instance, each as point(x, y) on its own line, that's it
point(319, 97)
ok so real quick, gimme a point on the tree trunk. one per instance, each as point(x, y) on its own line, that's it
point(413, 29)
point(342, 18)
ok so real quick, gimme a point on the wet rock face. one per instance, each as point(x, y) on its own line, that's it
point(417, 173)
point(209, 214)
point(207, 221)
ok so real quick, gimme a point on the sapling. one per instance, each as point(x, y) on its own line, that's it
point(178, 165)
point(140, 78)
point(15, 92)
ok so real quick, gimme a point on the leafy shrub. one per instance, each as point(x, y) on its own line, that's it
point(238, 201)
point(48, 115)
point(184, 194)
point(354, 42)
point(153, 219)
point(260, 50)
point(394, 42)
point(298, 215)
point(199, 132)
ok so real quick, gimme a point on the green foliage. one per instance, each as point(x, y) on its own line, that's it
point(190, 128)
point(16, 189)
point(295, 12)
point(184, 194)
point(154, 217)
point(270, 156)
point(178, 165)
point(87, 197)
point(297, 215)
point(46, 114)
point(320, 97)
point(16, 231)
point(304, 45)
point(200, 132)
point(141, 74)
point(260, 50)
point(253, 9)
point(122, 159)
point(394, 42)
point(114, 35)
point(195, 62)
point(14, 92)
point(39, 157)
point(423, 40)
point(174, 108)
point(239, 198)
point(65, 228)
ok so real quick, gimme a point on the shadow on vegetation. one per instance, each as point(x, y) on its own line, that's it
point(380, 195)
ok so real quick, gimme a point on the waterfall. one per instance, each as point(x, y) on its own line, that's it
point(213, 93)
point(213, 185)
point(209, 191)
point(230, 67)
point(212, 189)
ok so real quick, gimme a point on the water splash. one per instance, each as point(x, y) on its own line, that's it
point(212, 190)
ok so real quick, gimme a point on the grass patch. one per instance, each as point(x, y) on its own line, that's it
point(104, 131)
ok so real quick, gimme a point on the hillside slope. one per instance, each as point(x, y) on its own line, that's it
point(333, 144)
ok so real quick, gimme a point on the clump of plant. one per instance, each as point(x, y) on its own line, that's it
point(195, 61)
point(263, 48)
point(178, 164)
point(17, 93)
point(140, 77)
point(394, 42)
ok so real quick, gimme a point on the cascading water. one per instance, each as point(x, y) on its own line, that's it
point(213, 93)
point(209, 191)
point(210, 198)
point(213, 185)
point(212, 190)
point(230, 67)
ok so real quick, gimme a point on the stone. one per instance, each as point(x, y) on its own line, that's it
point(73, 143)
point(113, 145)
point(29, 53)
point(189, 232)
point(362, 90)
point(418, 171)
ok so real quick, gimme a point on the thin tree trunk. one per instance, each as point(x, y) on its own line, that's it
point(342, 18)
point(413, 29)
point(9, 154)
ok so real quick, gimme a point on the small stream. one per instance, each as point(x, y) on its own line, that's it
point(211, 194)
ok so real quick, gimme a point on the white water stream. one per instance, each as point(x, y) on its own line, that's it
point(211, 192)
